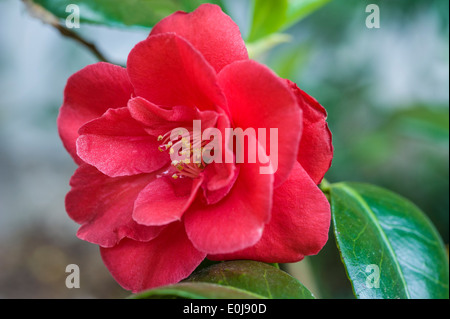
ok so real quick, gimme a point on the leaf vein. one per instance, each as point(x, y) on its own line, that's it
point(377, 224)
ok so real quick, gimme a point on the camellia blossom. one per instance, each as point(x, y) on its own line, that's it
point(156, 220)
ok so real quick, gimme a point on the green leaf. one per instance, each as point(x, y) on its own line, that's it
point(274, 16)
point(268, 17)
point(389, 247)
point(197, 290)
point(119, 13)
point(234, 279)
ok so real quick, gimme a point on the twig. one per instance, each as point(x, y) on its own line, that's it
point(47, 17)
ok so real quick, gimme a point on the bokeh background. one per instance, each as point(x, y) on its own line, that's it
point(386, 91)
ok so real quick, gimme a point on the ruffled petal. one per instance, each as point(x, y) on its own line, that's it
point(117, 145)
point(158, 121)
point(237, 221)
point(210, 31)
point(298, 226)
point(165, 200)
point(316, 148)
point(220, 175)
point(259, 99)
point(166, 70)
point(165, 260)
point(216, 195)
point(104, 206)
point(88, 94)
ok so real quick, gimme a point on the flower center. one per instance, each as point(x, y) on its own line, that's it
point(185, 152)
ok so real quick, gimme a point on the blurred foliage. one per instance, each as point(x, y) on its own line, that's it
point(273, 16)
point(122, 13)
point(33, 266)
point(402, 146)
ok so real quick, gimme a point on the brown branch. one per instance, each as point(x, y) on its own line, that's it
point(90, 46)
point(47, 17)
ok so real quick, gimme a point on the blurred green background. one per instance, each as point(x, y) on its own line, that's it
point(386, 91)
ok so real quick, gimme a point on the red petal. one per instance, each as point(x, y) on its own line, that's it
point(220, 177)
point(104, 206)
point(117, 145)
point(237, 221)
point(299, 224)
point(213, 196)
point(165, 260)
point(210, 31)
point(316, 150)
point(166, 70)
point(165, 200)
point(158, 121)
point(88, 94)
point(257, 98)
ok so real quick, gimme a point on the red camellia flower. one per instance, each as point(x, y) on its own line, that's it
point(156, 219)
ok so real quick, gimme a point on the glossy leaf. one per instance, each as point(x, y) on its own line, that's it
point(142, 13)
point(234, 279)
point(389, 247)
point(194, 290)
